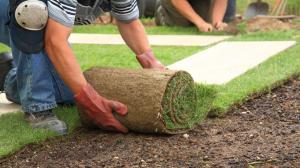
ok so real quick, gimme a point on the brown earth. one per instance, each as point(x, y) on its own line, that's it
point(264, 24)
point(263, 132)
point(261, 25)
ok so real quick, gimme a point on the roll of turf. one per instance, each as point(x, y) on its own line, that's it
point(158, 101)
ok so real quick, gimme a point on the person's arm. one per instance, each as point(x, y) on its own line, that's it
point(218, 10)
point(98, 109)
point(186, 10)
point(134, 35)
point(136, 38)
point(62, 56)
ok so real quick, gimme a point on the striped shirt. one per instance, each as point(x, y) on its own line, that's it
point(64, 11)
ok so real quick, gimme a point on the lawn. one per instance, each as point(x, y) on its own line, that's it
point(258, 80)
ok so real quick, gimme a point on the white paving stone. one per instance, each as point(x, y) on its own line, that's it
point(161, 40)
point(228, 60)
point(7, 106)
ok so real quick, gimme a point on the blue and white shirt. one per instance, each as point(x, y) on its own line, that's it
point(64, 11)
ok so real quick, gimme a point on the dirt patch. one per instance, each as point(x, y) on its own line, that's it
point(264, 132)
point(260, 24)
point(263, 24)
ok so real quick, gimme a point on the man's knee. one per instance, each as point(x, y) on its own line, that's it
point(27, 25)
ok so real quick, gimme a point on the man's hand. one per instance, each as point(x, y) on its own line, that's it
point(99, 110)
point(220, 26)
point(148, 61)
point(205, 27)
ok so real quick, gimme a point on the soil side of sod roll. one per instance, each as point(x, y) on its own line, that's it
point(158, 101)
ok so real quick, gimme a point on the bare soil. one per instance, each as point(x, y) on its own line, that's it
point(265, 24)
point(263, 132)
point(261, 25)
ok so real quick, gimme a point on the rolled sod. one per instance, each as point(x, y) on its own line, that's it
point(164, 102)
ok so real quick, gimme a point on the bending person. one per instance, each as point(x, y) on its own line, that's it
point(206, 15)
point(44, 71)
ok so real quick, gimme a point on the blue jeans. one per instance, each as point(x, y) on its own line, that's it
point(230, 11)
point(34, 82)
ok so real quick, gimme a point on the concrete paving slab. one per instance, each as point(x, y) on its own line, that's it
point(7, 106)
point(160, 40)
point(228, 60)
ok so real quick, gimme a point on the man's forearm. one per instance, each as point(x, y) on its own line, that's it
point(186, 10)
point(135, 36)
point(63, 58)
point(218, 10)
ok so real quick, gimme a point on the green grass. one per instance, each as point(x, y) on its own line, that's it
point(4, 48)
point(15, 133)
point(185, 104)
point(121, 56)
point(258, 80)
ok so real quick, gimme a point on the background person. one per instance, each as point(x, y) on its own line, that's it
point(204, 14)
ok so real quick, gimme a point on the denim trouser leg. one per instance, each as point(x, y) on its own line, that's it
point(34, 82)
point(230, 12)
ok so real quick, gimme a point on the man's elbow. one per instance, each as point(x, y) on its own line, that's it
point(53, 44)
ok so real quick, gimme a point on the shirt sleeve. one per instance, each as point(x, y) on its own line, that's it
point(63, 11)
point(124, 10)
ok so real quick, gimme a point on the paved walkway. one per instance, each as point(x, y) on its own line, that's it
point(6, 106)
point(160, 40)
point(228, 60)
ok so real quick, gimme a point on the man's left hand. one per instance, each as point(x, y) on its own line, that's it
point(220, 26)
point(149, 61)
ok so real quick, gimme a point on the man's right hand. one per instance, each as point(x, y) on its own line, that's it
point(99, 110)
point(205, 27)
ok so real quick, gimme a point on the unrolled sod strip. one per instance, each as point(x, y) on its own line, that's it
point(158, 101)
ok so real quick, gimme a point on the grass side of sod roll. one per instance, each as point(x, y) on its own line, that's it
point(185, 104)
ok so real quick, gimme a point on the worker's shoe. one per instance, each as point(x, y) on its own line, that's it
point(148, 61)
point(5, 66)
point(46, 120)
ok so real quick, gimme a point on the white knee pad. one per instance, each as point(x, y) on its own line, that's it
point(32, 15)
